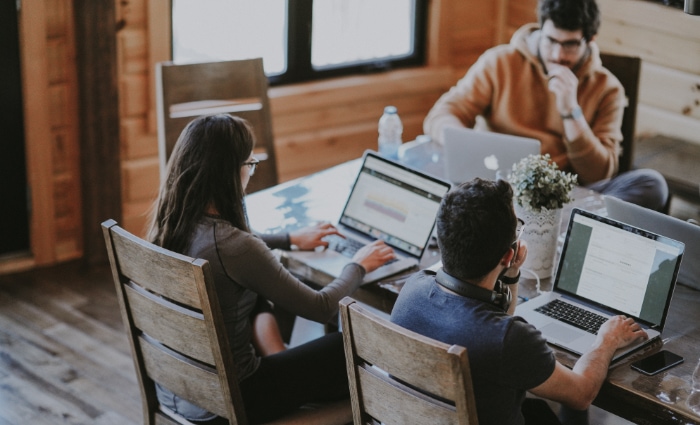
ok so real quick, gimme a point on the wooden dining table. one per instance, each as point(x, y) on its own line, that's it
point(665, 398)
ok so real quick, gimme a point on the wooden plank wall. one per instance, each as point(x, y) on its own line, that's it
point(519, 13)
point(668, 41)
point(315, 124)
point(323, 123)
point(99, 129)
point(63, 103)
point(140, 173)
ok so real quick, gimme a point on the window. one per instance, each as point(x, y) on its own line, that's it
point(302, 40)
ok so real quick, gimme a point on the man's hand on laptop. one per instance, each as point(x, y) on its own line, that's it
point(311, 237)
point(373, 255)
point(620, 331)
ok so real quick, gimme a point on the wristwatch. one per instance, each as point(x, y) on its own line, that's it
point(510, 280)
point(575, 114)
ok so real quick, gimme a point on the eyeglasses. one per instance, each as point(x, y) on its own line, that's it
point(252, 164)
point(567, 46)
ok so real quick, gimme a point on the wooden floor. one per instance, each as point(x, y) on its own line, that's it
point(64, 357)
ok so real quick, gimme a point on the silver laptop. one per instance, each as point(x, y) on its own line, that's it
point(666, 225)
point(388, 201)
point(606, 268)
point(475, 153)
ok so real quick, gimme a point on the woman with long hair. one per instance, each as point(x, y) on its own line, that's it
point(200, 212)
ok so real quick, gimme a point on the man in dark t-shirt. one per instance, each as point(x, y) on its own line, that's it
point(467, 302)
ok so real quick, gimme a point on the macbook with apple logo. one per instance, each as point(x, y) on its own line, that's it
point(474, 153)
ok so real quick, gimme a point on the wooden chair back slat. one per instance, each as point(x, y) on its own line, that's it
point(189, 379)
point(408, 356)
point(404, 372)
point(162, 419)
point(181, 329)
point(156, 269)
point(238, 87)
point(397, 404)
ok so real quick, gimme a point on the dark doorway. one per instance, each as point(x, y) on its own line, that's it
point(14, 213)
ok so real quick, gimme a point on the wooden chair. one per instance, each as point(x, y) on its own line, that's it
point(400, 377)
point(173, 319)
point(239, 87)
point(627, 69)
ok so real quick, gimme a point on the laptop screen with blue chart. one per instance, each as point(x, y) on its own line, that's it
point(390, 202)
point(393, 204)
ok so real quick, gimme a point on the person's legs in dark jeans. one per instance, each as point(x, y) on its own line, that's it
point(537, 412)
point(312, 372)
point(643, 187)
point(569, 416)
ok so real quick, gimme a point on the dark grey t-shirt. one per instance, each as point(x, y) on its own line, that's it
point(507, 356)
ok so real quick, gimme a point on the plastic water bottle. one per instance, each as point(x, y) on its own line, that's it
point(390, 130)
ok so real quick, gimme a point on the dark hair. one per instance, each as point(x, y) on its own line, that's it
point(571, 15)
point(475, 227)
point(203, 170)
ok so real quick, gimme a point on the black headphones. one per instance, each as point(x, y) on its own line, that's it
point(500, 296)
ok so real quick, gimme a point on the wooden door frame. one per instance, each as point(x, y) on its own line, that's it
point(96, 61)
point(96, 46)
point(37, 130)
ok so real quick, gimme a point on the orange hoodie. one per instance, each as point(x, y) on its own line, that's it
point(508, 87)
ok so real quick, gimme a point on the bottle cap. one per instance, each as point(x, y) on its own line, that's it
point(390, 110)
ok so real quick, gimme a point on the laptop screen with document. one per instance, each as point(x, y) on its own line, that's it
point(623, 268)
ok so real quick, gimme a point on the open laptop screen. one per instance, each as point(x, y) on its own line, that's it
point(618, 266)
point(394, 203)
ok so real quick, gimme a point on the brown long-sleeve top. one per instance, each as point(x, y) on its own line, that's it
point(244, 267)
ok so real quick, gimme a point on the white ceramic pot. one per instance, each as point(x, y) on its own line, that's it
point(540, 235)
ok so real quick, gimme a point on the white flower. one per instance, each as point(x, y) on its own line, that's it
point(539, 184)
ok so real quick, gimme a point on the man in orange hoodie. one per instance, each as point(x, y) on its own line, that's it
point(549, 84)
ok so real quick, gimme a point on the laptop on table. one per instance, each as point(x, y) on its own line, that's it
point(474, 153)
point(387, 201)
point(606, 268)
point(663, 224)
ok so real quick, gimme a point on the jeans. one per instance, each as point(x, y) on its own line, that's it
point(643, 187)
point(312, 372)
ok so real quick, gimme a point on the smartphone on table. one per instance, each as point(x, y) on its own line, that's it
point(657, 362)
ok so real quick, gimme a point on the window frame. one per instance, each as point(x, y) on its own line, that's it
point(298, 55)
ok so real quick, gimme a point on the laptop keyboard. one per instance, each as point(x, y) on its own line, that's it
point(575, 316)
point(347, 247)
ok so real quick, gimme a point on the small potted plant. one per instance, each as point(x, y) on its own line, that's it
point(540, 190)
point(539, 184)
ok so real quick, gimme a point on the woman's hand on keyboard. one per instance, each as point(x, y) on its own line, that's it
point(311, 237)
point(374, 255)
